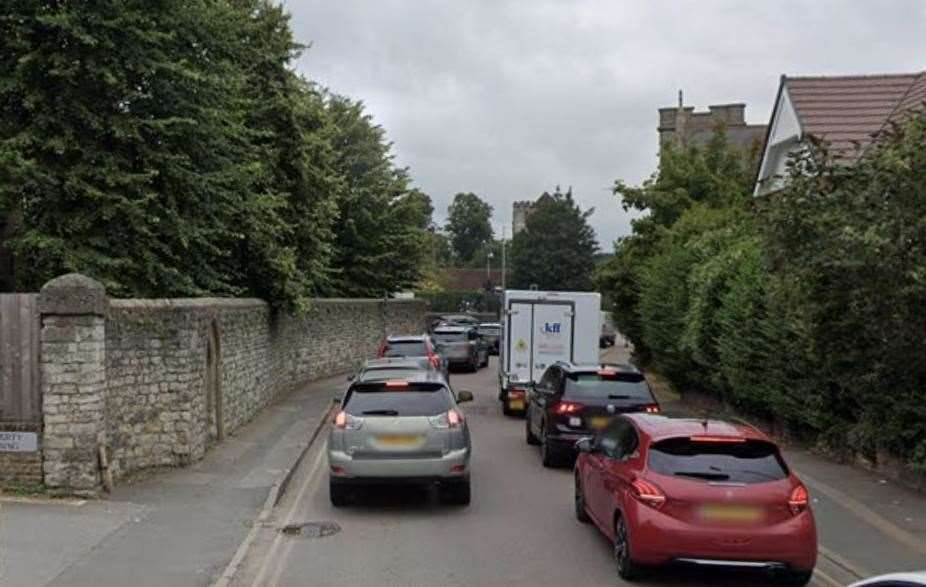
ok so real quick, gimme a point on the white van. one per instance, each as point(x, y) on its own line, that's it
point(540, 328)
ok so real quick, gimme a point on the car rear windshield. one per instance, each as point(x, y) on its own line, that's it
point(749, 461)
point(449, 337)
point(489, 329)
point(405, 348)
point(389, 373)
point(621, 386)
point(416, 400)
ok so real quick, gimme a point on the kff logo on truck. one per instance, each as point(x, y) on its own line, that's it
point(551, 327)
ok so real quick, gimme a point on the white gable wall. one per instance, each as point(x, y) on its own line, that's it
point(784, 138)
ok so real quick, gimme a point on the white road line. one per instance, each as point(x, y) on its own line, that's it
point(290, 515)
point(841, 561)
point(824, 578)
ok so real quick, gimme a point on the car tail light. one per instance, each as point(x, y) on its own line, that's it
point(798, 500)
point(647, 493)
point(652, 409)
point(383, 347)
point(563, 408)
point(435, 360)
point(449, 419)
point(396, 384)
point(517, 393)
point(709, 438)
point(607, 373)
point(345, 421)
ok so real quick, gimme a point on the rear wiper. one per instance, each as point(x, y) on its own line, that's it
point(703, 475)
point(380, 413)
point(620, 396)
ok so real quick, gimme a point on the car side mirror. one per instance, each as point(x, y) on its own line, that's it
point(350, 377)
point(337, 399)
point(585, 445)
point(464, 396)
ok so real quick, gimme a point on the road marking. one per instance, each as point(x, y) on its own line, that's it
point(867, 514)
point(821, 576)
point(841, 561)
point(290, 515)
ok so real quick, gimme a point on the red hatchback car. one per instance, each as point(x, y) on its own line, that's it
point(702, 492)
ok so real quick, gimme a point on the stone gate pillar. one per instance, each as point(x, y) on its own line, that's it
point(73, 375)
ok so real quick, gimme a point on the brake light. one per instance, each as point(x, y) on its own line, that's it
point(799, 499)
point(345, 421)
point(449, 419)
point(396, 384)
point(607, 373)
point(652, 409)
point(709, 438)
point(647, 493)
point(563, 408)
point(383, 347)
point(516, 393)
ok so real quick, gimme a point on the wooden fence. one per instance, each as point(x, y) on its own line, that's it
point(20, 391)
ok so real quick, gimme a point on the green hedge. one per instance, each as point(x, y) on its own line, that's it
point(458, 301)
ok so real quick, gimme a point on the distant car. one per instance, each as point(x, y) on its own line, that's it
point(573, 401)
point(608, 335)
point(490, 332)
point(458, 320)
point(413, 345)
point(406, 431)
point(914, 579)
point(697, 492)
point(393, 368)
point(461, 346)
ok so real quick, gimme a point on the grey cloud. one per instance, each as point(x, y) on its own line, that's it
point(509, 98)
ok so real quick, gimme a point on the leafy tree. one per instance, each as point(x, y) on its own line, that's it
point(469, 225)
point(379, 233)
point(556, 250)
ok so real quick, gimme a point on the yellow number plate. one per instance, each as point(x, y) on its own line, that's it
point(599, 422)
point(399, 439)
point(730, 513)
point(516, 404)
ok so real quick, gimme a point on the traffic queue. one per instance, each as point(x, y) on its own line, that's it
point(663, 490)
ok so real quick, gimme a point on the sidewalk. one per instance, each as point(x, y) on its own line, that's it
point(176, 527)
point(864, 521)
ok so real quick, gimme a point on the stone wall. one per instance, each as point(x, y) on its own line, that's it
point(21, 469)
point(156, 382)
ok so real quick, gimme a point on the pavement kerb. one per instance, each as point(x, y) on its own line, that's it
point(277, 490)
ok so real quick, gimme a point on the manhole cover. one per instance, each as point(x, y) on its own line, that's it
point(312, 529)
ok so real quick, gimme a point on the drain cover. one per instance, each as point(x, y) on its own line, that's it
point(312, 529)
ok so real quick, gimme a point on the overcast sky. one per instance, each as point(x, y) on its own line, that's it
point(510, 98)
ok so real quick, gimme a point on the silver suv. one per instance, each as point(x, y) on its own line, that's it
point(401, 431)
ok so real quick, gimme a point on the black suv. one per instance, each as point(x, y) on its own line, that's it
point(573, 401)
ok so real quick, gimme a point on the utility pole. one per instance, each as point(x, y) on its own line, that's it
point(504, 259)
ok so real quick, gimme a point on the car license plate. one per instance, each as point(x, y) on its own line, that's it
point(599, 422)
point(730, 513)
point(516, 404)
point(399, 439)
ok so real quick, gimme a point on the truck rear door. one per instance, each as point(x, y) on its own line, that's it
point(519, 343)
point(553, 336)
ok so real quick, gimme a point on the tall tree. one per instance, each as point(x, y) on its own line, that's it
point(556, 250)
point(469, 225)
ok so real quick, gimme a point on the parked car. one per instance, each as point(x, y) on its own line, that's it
point(698, 492)
point(414, 345)
point(392, 368)
point(407, 431)
point(490, 332)
point(461, 346)
point(457, 320)
point(573, 401)
point(914, 579)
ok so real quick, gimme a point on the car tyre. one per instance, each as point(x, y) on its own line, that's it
point(581, 513)
point(456, 493)
point(626, 568)
point(548, 456)
point(798, 578)
point(528, 434)
point(340, 494)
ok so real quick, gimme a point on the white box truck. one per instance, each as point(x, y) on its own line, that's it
point(540, 328)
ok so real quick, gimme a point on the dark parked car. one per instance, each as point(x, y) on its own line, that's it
point(573, 401)
point(705, 493)
point(461, 346)
point(413, 345)
point(491, 332)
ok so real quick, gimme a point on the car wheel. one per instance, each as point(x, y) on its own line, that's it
point(548, 455)
point(626, 568)
point(798, 578)
point(474, 364)
point(528, 434)
point(340, 494)
point(581, 514)
point(456, 493)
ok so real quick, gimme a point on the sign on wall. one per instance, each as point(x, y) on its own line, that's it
point(19, 441)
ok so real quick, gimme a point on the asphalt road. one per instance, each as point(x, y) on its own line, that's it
point(519, 530)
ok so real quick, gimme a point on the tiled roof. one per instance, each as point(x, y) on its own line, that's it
point(847, 110)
